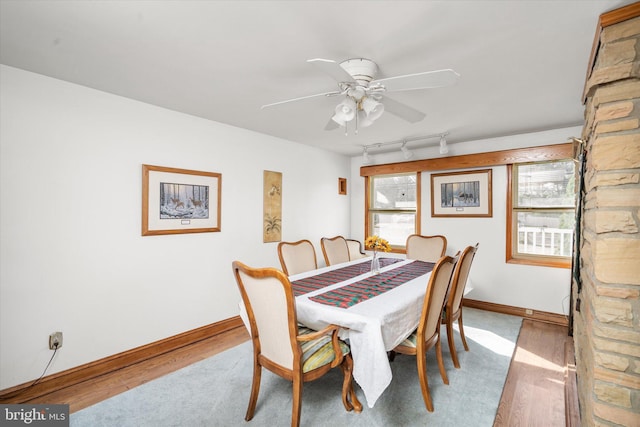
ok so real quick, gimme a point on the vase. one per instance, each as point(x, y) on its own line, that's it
point(375, 263)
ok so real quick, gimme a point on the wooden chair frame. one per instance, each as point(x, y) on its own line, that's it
point(428, 332)
point(294, 373)
point(453, 306)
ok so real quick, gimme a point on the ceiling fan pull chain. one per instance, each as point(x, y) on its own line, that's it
point(357, 105)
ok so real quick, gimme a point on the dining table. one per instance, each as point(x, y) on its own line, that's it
point(376, 310)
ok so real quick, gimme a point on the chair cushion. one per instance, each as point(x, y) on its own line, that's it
point(318, 352)
point(411, 340)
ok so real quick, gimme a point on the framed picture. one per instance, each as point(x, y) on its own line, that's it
point(461, 194)
point(272, 206)
point(176, 201)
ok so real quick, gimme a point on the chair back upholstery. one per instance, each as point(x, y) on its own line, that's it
point(335, 250)
point(355, 249)
point(426, 248)
point(269, 301)
point(434, 298)
point(459, 278)
point(297, 257)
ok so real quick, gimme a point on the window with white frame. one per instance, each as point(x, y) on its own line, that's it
point(393, 207)
point(542, 213)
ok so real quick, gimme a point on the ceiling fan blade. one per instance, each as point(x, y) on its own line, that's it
point(333, 69)
point(301, 98)
point(426, 80)
point(331, 125)
point(401, 110)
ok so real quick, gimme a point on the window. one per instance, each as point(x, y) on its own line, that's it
point(541, 213)
point(393, 207)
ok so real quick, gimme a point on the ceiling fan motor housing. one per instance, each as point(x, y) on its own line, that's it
point(362, 70)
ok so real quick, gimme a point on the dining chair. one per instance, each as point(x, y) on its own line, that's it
point(292, 351)
point(453, 306)
point(428, 333)
point(426, 248)
point(355, 249)
point(335, 250)
point(297, 257)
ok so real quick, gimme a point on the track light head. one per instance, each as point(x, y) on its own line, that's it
point(405, 151)
point(444, 149)
point(366, 158)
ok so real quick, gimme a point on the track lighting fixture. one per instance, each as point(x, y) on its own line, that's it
point(366, 159)
point(444, 149)
point(405, 151)
point(408, 154)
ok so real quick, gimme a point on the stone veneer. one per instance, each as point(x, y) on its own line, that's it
point(606, 328)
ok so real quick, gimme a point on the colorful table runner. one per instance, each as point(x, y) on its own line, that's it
point(313, 283)
point(370, 287)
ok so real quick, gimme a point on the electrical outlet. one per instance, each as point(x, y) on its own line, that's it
point(528, 311)
point(55, 340)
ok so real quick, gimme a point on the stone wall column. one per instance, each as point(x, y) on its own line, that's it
point(607, 325)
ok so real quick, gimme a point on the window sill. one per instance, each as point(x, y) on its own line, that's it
point(559, 263)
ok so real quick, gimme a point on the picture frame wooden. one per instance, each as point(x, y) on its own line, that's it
point(462, 194)
point(177, 201)
point(342, 186)
point(272, 206)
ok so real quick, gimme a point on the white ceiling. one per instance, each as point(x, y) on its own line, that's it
point(522, 64)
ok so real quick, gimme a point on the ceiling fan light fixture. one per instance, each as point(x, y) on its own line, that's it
point(338, 120)
point(357, 93)
point(345, 111)
point(363, 120)
point(372, 108)
point(444, 149)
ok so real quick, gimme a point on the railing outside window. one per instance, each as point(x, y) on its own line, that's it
point(545, 241)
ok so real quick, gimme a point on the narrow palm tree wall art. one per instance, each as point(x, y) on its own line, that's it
point(272, 207)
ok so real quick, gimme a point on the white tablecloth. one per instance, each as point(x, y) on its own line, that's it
point(375, 326)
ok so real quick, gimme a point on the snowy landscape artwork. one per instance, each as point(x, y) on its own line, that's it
point(183, 201)
point(178, 201)
point(464, 194)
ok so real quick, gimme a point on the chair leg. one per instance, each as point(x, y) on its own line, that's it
point(443, 372)
point(452, 345)
point(424, 383)
point(255, 389)
point(297, 401)
point(349, 398)
point(464, 340)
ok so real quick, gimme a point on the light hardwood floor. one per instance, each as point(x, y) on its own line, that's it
point(533, 394)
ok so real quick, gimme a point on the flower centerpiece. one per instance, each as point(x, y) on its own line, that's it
point(376, 243)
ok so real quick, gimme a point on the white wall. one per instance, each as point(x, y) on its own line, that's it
point(71, 255)
point(492, 279)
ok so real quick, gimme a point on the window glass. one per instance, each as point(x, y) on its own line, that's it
point(546, 184)
point(543, 214)
point(393, 207)
point(545, 233)
point(394, 192)
point(394, 227)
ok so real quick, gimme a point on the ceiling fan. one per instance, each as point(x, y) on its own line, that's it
point(365, 97)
